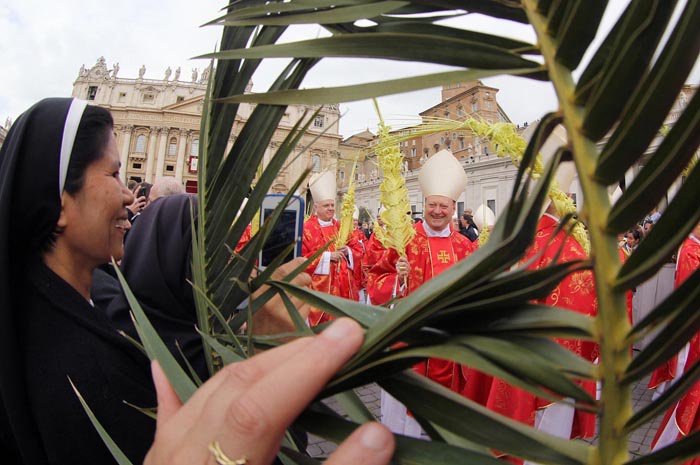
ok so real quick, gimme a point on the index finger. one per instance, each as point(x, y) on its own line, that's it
point(255, 419)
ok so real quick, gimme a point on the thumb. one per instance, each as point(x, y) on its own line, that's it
point(168, 401)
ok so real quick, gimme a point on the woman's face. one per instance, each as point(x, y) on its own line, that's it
point(94, 220)
point(631, 240)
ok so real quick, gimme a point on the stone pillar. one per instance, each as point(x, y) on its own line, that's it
point(184, 136)
point(162, 147)
point(151, 154)
point(127, 129)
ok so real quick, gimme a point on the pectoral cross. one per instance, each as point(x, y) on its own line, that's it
point(443, 256)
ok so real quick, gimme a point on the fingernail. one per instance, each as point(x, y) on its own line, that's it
point(340, 329)
point(374, 437)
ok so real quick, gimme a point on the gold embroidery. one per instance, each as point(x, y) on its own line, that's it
point(443, 256)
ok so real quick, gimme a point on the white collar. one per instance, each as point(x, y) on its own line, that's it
point(551, 216)
point(693, 237)
point(432, 233)
point(325, 223)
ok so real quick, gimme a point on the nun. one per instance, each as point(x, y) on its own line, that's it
point(63, 213)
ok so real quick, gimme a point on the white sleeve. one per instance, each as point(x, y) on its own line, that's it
point(324, 264)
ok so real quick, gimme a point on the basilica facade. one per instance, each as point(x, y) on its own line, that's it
point(157, 124)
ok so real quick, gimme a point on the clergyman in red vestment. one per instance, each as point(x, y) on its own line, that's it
point(332, 271)
point(684, 417)
point(576, 293)
point(434, 248)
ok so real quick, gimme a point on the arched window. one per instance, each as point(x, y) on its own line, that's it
point(140, 144)
point(194, 150)
point(316, 163)
point(172, 147)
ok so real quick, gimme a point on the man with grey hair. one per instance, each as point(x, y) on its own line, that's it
point(162, 187)
point(165, 186)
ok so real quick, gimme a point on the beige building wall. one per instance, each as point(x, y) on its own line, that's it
point(157, 125)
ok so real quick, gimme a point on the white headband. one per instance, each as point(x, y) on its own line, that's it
point(70, 129)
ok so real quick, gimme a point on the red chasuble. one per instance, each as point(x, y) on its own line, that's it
point(427, 257)
point(373, 252)
point(245, 238)
point(357, 242)
point(340, 281)
point(687, 412)
point(575, 292)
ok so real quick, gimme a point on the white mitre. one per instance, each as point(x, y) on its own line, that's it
point(616, 194)
point(356, 214)
point(442, 174)
point(566, 171)
point(484, 216)
point(322, 186)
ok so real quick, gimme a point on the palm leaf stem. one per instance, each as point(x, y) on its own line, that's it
point(612, 320)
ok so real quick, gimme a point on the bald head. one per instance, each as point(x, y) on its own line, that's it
point(166, 186)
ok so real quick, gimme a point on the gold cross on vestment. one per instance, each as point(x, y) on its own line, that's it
point(443, 256)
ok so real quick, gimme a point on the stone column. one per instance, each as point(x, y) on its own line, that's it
point(229, 144)
point(151, 154)
point(162, 147)
point(127, 129)
point(184, 136)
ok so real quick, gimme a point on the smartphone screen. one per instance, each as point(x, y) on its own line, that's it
point(284, 234)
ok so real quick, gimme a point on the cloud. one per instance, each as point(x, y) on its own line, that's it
point(45, 43)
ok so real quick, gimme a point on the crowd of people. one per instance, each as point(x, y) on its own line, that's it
point(64, 316)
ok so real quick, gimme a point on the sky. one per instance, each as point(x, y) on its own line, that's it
point(43, 45)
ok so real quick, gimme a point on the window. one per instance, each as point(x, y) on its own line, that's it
point(475, 105)
point(318, 121)
point(315, 163)
point(486, 150)
point(413, 152)
point(194, 150)
point(140, 144)
point(454, 136)
point(92, 92)
point(447, 114)
point(148, 98)
point(489, 105)
point(341, 175)
point(413, 142)
point(137, 166)
point(491, 203)
point(172, 147)
point(179, 99)
point(460, 110)
point(122, 97)
point(461, 143)
point(169, 168)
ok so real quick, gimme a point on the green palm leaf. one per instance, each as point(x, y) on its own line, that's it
point(478, 312)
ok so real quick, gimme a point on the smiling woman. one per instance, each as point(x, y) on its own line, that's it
point(63, 209)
